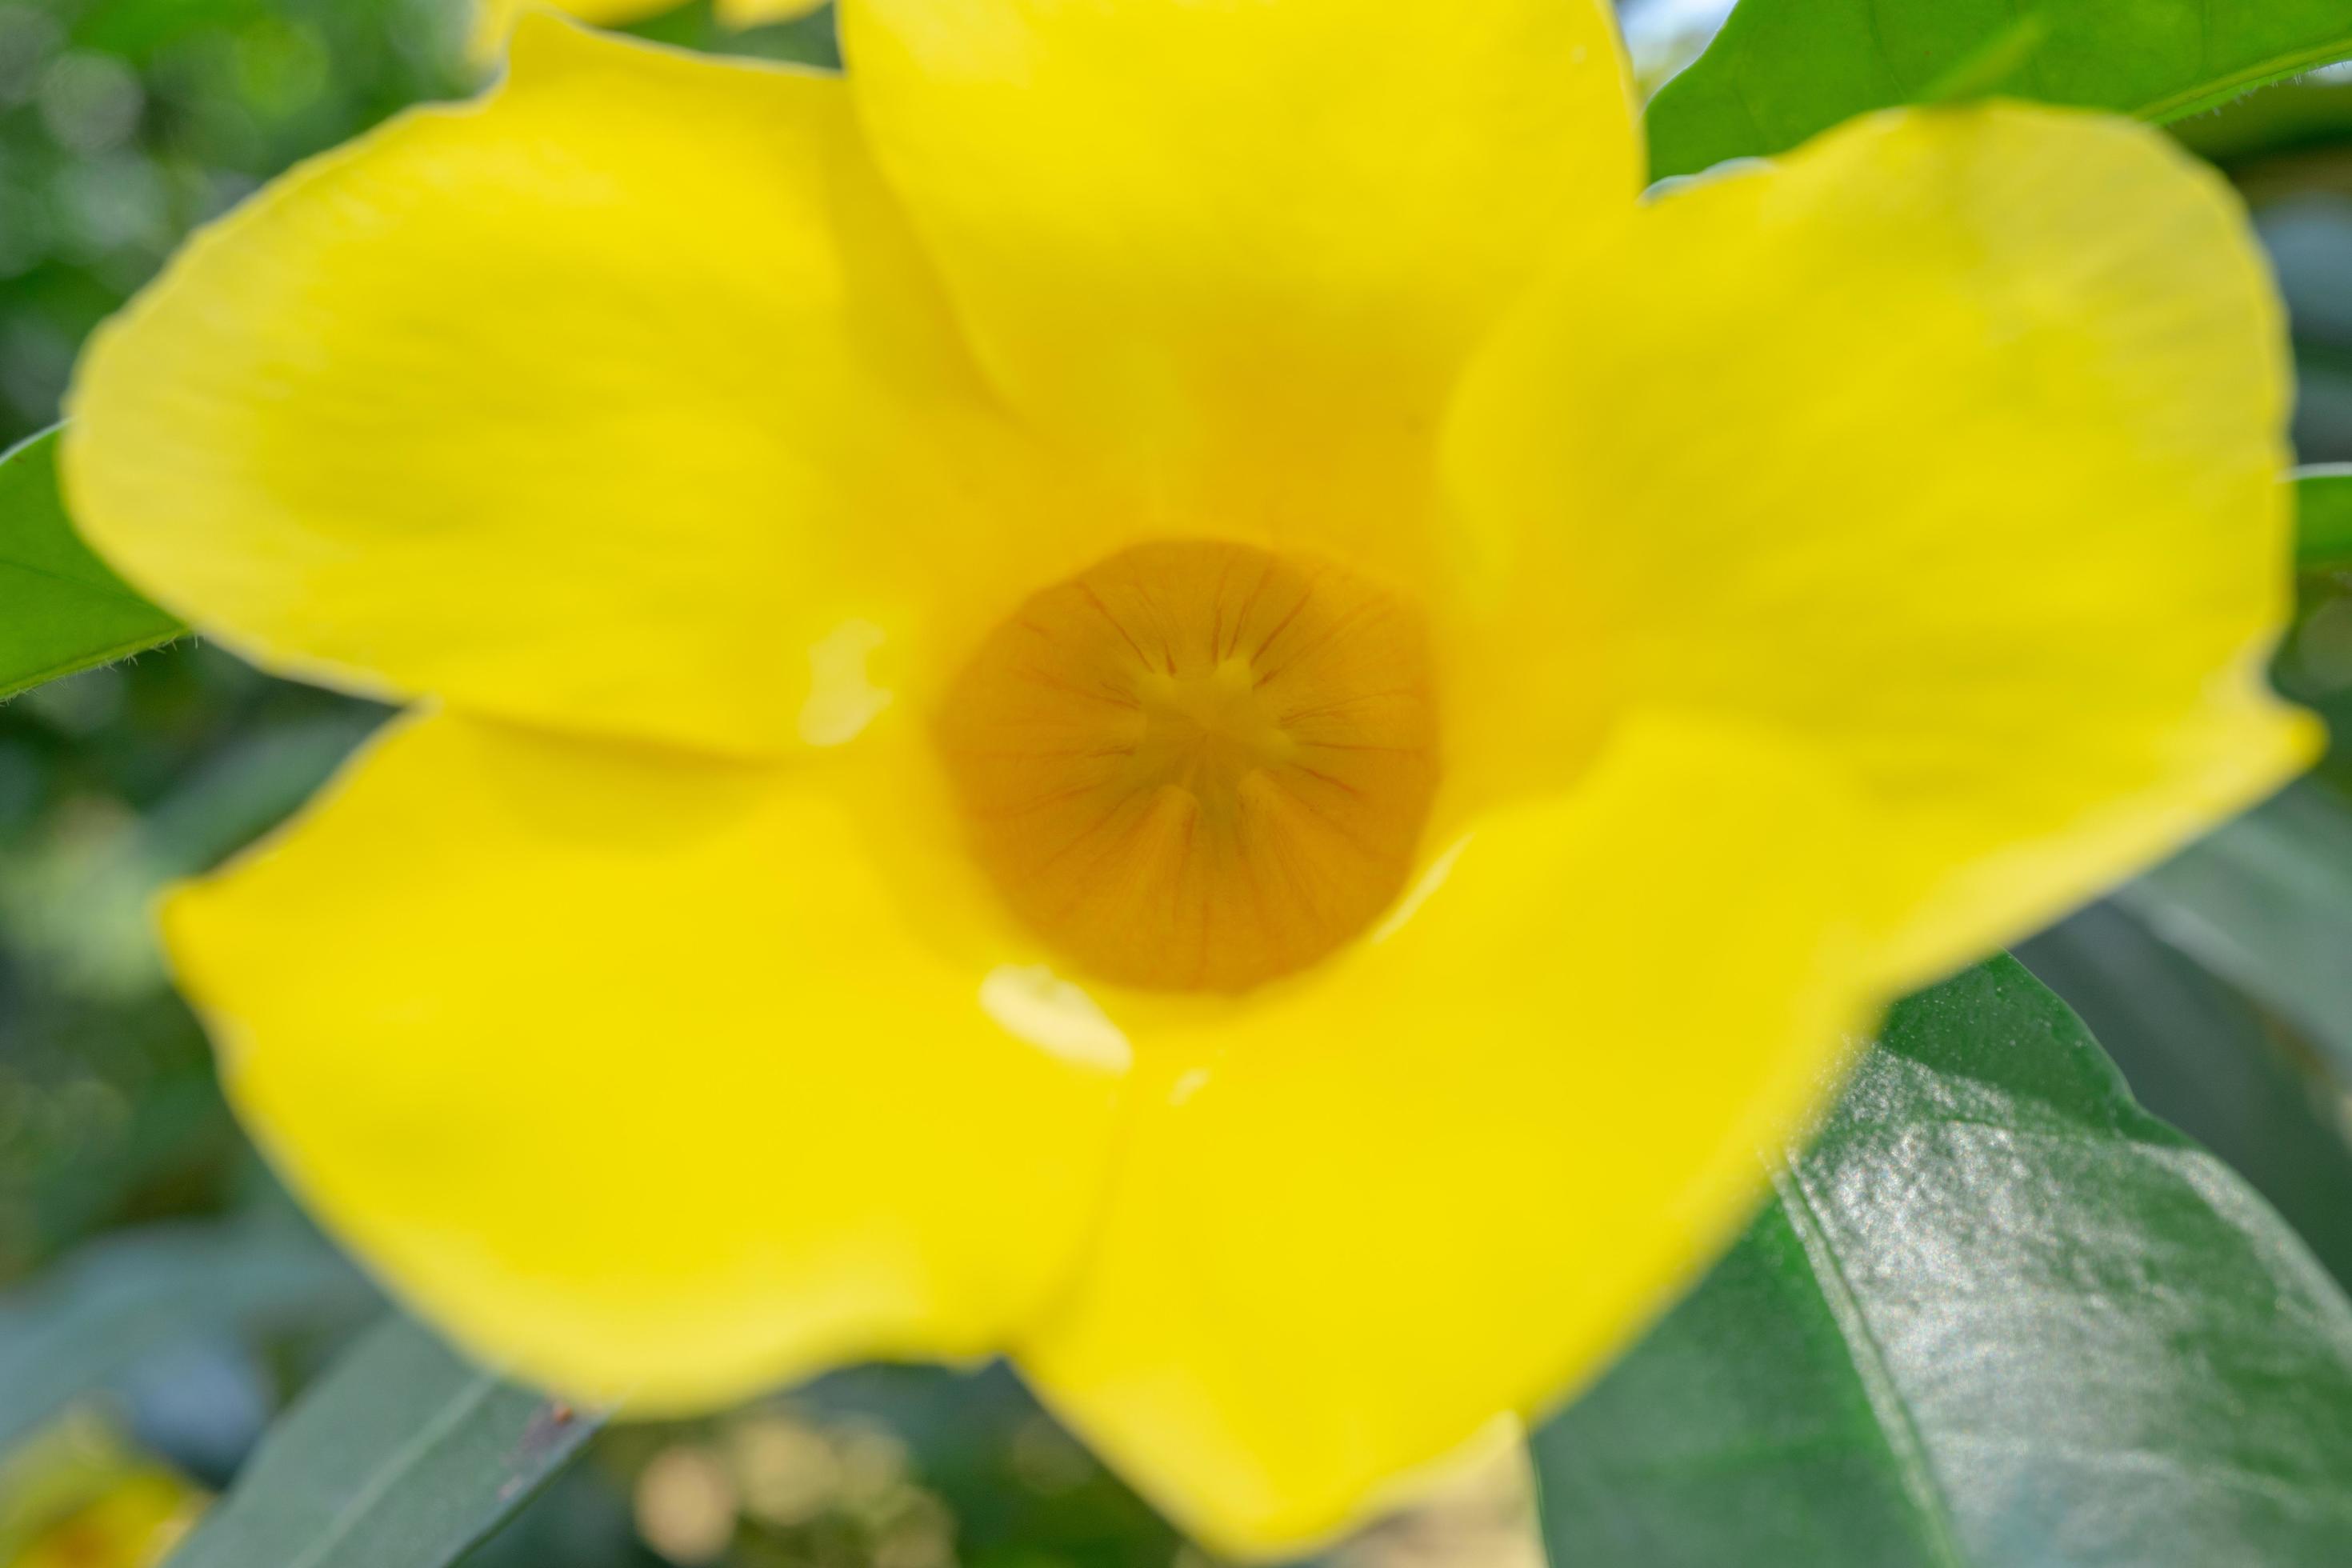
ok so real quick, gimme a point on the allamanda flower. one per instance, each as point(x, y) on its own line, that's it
point(1159, 686)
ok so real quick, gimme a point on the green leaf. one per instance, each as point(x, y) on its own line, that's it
point(2266, 902)
point(2323, 535)
point(1783, 70)
point(1998, 1315)
point(2312, 111)
point(401, 1456)
point(2314, 664)
point(2198, 1054)
point(116, 1301)
point(810, 40)
point(61, 610)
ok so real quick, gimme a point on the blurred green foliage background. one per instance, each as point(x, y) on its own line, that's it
point(124, 124)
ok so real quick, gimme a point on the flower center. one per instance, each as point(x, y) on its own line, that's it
point(1197, 765)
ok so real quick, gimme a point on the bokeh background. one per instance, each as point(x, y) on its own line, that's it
point(123, 123)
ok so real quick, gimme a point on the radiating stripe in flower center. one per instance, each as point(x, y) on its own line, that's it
point(1198, 765)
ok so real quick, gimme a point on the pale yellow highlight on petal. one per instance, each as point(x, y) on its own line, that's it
point(628, 1070)
point(1035, 1004)
point(597, 403)
point(1950, 448)
point(1445, 1179)
point(843, 699)
point(1243, 249)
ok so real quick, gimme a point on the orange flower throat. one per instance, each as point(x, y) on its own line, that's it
point(1198, 765)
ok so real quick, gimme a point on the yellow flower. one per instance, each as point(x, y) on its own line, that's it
point(78, 1496)
point(1158, 687)
point(134, 1524)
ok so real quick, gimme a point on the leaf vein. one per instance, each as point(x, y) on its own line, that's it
point(1904, 1446)
point(428, 1436)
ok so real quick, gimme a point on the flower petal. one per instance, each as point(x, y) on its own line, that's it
point(1441, 1184)
point(1951, 448)
point(1244, 246)
point(627, 1069)
point(595, 402)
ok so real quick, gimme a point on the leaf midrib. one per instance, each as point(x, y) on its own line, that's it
point(453, 1414)
point(1905, 1448)
point(109, 591)
point(2220, 90)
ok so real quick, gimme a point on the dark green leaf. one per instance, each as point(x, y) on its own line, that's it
point(2323, 540)
point(1782, 70)
point(2311, 112)
point(2198, 1055)
point(2313, 665)
point(60, 608)
point(2267, 903)
point(118, 1301)
point(810, 40)
point(1998, 1316)
point(401, 1456)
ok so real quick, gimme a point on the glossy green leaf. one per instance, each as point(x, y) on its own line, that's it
point(1998, 1316)
point(1783, 70)
point(2200, 1054)
point(404, 1455)
point(2323, 539)
point(2267, 902)
point(116, 1301)
point(61, 609)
